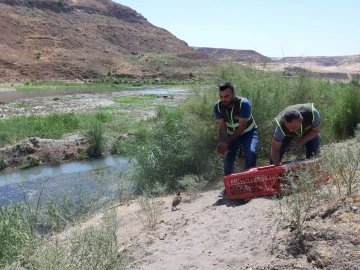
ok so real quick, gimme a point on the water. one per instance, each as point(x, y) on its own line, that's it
point(13, 95)
point(100, 178)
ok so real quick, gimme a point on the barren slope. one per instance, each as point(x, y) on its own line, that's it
point(83, 39)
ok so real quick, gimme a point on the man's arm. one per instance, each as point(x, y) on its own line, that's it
point(311, 134)
point(222, 130)
point(225, 142)
point(275, 152)
point(238, 132)
point(221, 148)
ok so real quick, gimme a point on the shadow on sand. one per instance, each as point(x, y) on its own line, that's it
point(230, 203)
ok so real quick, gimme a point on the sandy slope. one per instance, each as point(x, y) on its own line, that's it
point(205, 233)
point(212, 233)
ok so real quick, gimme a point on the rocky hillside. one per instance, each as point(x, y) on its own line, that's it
point(248, 56)
point(70, 39)
point(87, 39)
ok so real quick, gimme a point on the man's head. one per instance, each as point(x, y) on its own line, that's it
point(292, 120)
point(226, 93)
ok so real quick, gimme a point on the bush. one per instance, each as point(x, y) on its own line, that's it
point(347, 115)
point(343, 163)
point(96, 139)
point(302, 195)
point(177, 144)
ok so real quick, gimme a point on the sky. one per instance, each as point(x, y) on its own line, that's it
point(275, 28)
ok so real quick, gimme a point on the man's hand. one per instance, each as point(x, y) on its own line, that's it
point(297, 148)
point(222, 148)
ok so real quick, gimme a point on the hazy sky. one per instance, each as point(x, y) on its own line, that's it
point(270, 27)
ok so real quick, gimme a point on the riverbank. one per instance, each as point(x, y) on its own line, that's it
point(122, 103)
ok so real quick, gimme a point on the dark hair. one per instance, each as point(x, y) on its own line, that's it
point(291, 115)
point(226, 85)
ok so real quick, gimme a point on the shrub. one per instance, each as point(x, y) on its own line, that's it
point(347, 115)
point(302, 195)
point(177, 144)
point(343, 163)
point(96, 139)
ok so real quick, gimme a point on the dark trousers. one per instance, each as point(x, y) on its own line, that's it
point(249, 141)
point(312, 147)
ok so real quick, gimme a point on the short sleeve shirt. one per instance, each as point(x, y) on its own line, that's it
point(245, 110)
point(279, 136)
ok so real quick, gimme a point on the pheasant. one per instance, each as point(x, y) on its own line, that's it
point(177, 199)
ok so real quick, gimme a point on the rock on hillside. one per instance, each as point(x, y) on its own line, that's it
point(69, 39)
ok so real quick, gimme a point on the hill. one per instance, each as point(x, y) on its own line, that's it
point(70, 39)
point(248, 56)
point(331, 67)
point(88, 39)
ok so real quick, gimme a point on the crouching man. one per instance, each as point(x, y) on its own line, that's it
point(300, 120)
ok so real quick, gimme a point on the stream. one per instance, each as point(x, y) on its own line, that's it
point(102, 179)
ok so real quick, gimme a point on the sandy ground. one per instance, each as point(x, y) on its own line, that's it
point(207, 232)
point(211, 234)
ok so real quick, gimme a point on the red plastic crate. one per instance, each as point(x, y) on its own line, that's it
point(259, 181)
point(266, 180)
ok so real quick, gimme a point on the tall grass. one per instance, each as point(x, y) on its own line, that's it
point(347, 115)
point(271, 92)
point(25, 230)
point(14, 234)
point(180, 141)
point(90, 248)
point(175, 145)
point(96, 139)
point(51, 126)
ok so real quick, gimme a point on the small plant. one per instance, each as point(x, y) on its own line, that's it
point(3, 163)
point(150, 211)
point(96, 139)
point(30, 161)
point(193, 185)
point(302, 195)
point(343, 163)
point(55, 221)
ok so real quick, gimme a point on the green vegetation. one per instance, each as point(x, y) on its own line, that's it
point(14, 234)
point(90, 248)
point(141, 100)
point(105, 83)
point(51, 126)
point(173, 146)
point(270, 92)
point(96, 138)
point(173, 150)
